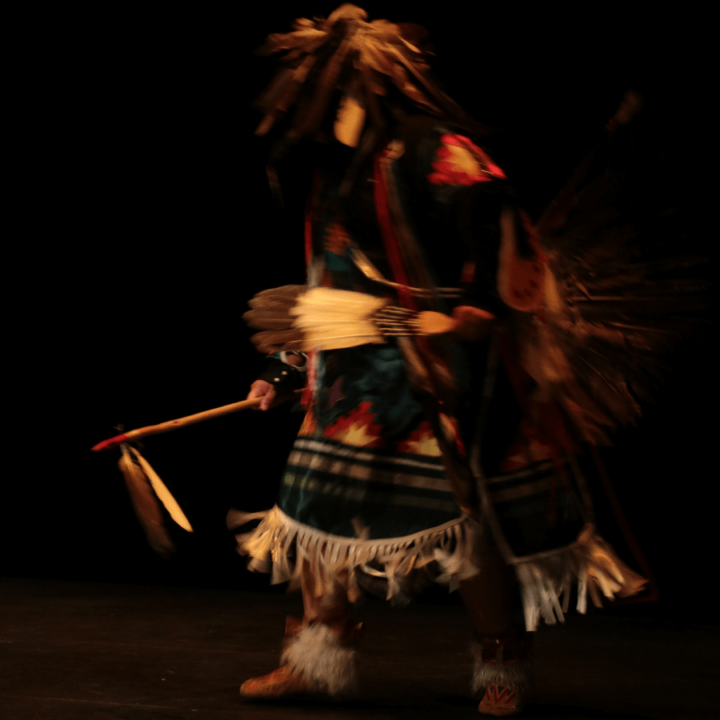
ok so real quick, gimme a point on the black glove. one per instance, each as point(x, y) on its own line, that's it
point(284, 377)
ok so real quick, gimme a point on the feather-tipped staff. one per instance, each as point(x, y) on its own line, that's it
point(142, 432)
point(143, 483)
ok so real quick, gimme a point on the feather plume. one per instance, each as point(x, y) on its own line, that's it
point(322, 318)
point(145, 504)
point(294, 318)
point(613, 304)
point(146, 489)
point(360, 58)
point(162, 493)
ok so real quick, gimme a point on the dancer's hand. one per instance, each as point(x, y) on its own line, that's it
point(472, 323)
point(262, 388)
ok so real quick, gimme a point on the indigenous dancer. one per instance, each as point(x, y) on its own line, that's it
point(448, 456)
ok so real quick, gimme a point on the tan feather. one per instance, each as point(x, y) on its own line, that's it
point(147, 491)
point(330, 319)
point(163, 494)
point(285, 292)
point(279, 319)
point(145, 504)
point(271, 341)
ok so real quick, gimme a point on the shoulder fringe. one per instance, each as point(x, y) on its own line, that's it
point(282, 546)
point(317, 655)
point(589, 561)
point(516, 676)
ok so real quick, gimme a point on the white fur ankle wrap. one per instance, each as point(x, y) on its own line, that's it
point(316, 654)
point(516, 676)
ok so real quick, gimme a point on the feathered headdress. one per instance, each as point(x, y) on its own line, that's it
point(363, 61)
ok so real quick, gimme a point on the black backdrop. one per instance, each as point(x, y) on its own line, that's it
point(152, 225)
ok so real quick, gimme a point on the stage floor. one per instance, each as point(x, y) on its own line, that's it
point(91, 651)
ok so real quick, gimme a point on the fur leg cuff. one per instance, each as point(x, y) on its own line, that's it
point(317, 654)
point(516, 675)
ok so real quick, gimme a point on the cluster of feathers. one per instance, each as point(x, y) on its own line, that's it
point(613, 303)
point(361, 58)
point(616, 302)
point(611, 310)
point(294, 317)
point(594, 347)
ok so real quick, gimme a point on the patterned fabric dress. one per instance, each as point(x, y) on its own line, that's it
point(378, 482)
point(366, 487)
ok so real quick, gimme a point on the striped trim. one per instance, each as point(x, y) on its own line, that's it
point(382, 494)
point(344, 462)
point(368, 454)
point(531, 481)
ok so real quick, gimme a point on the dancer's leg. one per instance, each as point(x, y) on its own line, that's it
point(321, 606)
point(487, 595)
point(502, 650)
point(319, 654)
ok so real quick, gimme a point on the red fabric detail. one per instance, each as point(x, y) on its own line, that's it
point(307, 395)
point(388, 233)
point(422, 434)
point(358, 421)
point(468, 272)
point(336, 239)
point(452, 169)
point(400, 276)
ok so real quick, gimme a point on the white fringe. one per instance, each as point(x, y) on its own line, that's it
point(546, 579)
point(316, 654)
point(516, 676)
point(272, 544)
point(589, 561)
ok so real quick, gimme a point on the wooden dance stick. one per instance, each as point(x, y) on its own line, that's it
point(114, 442)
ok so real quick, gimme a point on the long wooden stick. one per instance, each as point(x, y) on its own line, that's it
point(114, 442)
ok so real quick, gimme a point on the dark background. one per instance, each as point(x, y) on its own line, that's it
point(153, 225)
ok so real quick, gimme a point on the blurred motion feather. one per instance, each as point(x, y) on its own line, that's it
point(147, 491)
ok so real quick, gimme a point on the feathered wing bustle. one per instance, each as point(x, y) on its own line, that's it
point(611, 306)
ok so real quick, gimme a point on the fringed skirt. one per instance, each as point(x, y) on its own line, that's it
point(397, 566)
point(365, 503)
point(549, 572)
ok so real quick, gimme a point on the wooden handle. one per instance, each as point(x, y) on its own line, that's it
point(175, 424)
